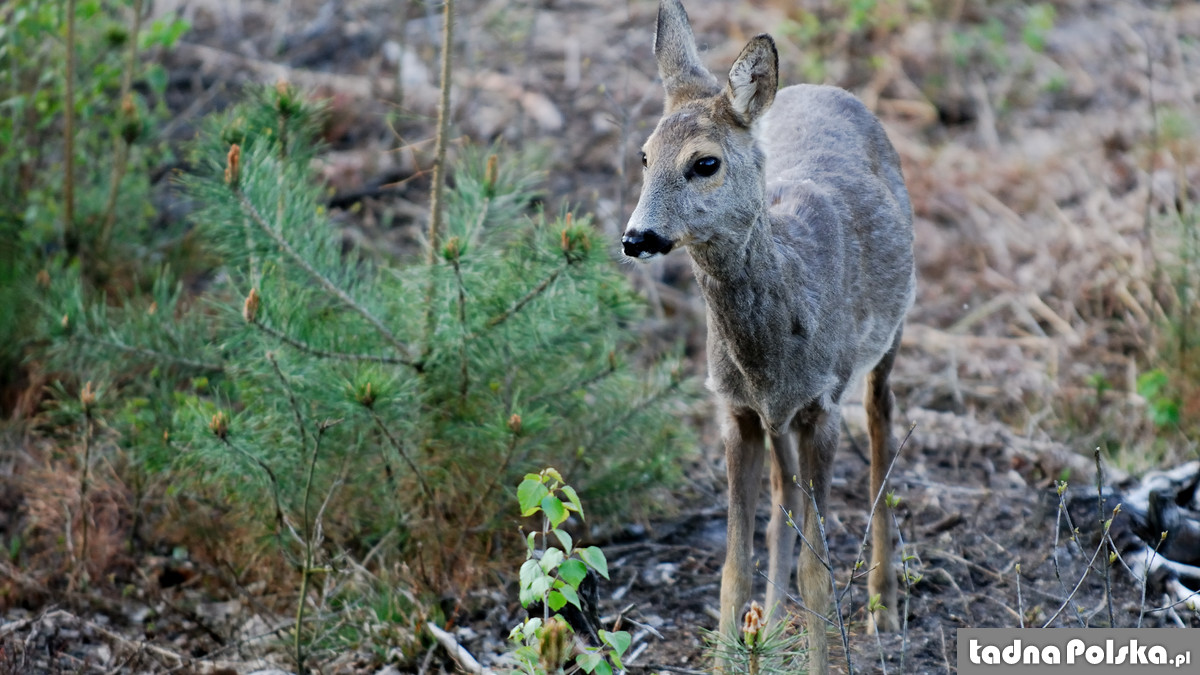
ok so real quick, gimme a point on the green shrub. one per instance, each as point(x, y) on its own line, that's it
point(344, 402)
point(118, 112)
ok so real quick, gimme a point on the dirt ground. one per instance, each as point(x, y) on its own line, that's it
point(1044, 161)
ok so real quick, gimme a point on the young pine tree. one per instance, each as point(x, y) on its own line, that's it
point(348, 399)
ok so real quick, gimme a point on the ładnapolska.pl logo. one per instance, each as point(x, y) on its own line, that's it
point(1061, 650)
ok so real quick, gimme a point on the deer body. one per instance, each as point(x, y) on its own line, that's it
point(793, 208)
point(810, 295)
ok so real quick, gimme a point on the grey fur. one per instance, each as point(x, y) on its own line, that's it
point(801, 244)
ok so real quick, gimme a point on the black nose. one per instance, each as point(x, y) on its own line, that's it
point(644, 244)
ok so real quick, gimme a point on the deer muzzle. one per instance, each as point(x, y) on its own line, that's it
point(645, 244)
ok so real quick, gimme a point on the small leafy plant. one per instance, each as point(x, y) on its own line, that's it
point(553, 576)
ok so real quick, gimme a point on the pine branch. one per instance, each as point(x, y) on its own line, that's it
point(579, 384)
point(311, 542)
point(328, 354)
point(465, 385)
point(152, 354)
point(527, 298)
point(407, 460)
point(120, 166)
point(281, 519)
point(499, 475)
point(255, 275)
point(324, 281)
point(453, 253)
point(623, 421)
point(287, 388)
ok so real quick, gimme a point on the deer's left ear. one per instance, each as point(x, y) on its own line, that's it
point(684, 76)
point(753, 79)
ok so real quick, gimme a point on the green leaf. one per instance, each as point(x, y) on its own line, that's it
point(618, 640)
point(551, 559)
point(529, 571)
point(573, 572)
point(531, 574)
point(556, 600)
point(528, 656)
point(156, 77)
point(874, 603)
point(529, 495)
point(539, 587)
point(571, 596)
point(1151, 383)
point(594, 557)
point(1164, 412)
point(573, 502)
point(553, 508)
point(588, 661)
point(564, 539)
point(603, 668)
point(532, 627)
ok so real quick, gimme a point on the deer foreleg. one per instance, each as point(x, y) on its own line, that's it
point(744, 450)
point(781, 532)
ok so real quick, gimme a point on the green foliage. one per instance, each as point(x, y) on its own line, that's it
point(556, 575)
point(1039, 19)
point(115, 146)
point(985, 42)
point(32, 55)
point(842, 23)
point(447, 382)
point(1161, 402)
point(989, 44)
point(1171, 385)
point(553, 578)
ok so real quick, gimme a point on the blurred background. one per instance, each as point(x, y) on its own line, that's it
point(1051, 150)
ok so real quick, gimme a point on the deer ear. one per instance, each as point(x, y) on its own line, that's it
point(684, 76)
point(753, 79)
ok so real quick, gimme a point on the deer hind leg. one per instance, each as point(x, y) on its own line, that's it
point(781, 534)
point(818, 442)
point(881, 580)
point(744, 453)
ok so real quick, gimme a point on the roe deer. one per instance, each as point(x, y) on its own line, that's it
point(800, 233)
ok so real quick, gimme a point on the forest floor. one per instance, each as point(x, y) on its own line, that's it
point(1050, 164)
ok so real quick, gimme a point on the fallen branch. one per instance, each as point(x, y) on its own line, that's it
point(457, 651)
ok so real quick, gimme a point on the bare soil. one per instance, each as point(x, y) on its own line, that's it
point(1046, 166)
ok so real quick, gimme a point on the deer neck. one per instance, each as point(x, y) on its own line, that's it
point(744, 259)
point(758, 317)
point(753, 292)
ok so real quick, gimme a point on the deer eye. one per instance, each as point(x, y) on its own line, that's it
point(706, 166)
point(644, 162)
